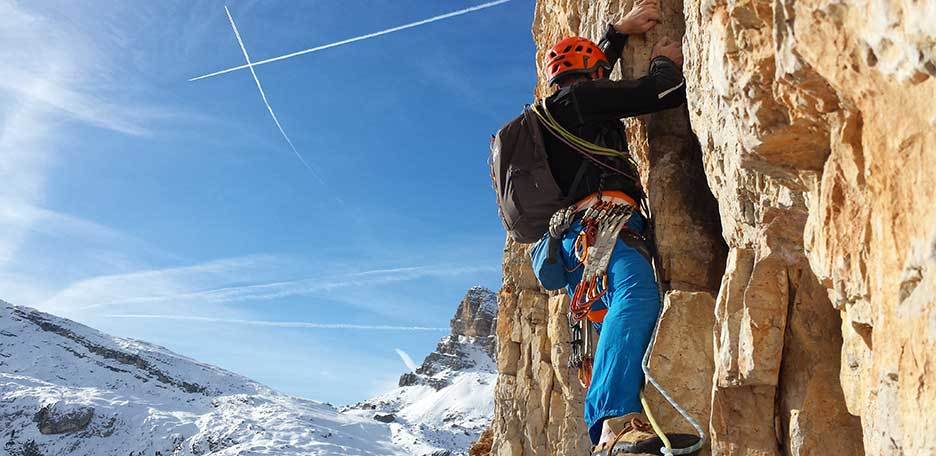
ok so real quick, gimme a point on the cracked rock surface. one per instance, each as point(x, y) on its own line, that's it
point(798, 241)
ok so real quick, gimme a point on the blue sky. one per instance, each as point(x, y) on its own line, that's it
point(126, 190)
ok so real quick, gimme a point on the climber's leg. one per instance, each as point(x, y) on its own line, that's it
point(633, 304)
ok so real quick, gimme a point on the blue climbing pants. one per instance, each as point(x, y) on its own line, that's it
point(633, 303)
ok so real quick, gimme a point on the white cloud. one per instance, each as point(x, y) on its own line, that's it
point(279, 324)
point(407, 359)
point(55, 69)
point(154, 285)
point(217, 283)
point(33, 263)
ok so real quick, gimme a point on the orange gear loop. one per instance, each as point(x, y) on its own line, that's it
point(585, 373)
point(575, 55)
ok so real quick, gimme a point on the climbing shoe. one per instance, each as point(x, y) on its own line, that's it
point(634, 436)
point(628, 431)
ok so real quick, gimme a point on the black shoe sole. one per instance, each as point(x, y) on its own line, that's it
point(653, 446)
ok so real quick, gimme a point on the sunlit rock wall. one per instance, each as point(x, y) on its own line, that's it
point(819, 114)
point(815, 133)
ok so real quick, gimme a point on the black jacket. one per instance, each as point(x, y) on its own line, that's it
point(592, 110)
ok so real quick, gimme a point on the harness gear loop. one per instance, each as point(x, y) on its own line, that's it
point(602, 222)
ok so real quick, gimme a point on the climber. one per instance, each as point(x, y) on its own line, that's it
point(601, 240)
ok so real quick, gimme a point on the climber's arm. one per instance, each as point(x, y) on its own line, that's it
point(663, 88)
point(612, 44)
point(642, 17)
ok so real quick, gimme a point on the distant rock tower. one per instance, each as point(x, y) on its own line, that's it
point(472, 331)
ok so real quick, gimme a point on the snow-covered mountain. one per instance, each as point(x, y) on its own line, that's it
point(445, 404)
point(67, 389)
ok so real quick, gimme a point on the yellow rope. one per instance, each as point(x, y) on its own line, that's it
point(656, 427)
point(548, 119)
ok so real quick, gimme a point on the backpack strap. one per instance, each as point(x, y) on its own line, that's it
point(577, 182)
point(539, 145)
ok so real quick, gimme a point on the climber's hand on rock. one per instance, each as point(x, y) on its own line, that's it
point(642, 17)
point(670, 49)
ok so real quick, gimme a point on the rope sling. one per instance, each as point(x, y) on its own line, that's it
point(595, 287)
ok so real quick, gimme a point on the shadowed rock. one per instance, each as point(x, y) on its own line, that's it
point(62, 418)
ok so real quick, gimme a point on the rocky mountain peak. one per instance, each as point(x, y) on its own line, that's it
point(449, 399)
point(470, 346)
point(476, 314)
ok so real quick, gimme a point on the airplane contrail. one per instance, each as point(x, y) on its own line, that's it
point(351, 40)
point(276, 324)
point(264, 97)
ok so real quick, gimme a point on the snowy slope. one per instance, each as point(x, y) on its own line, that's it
point(68, 389)
point(442, 407)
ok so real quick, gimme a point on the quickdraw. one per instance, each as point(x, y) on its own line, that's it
point(582, 350)
point(601, 223)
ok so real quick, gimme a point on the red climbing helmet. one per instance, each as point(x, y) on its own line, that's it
point(574, 55)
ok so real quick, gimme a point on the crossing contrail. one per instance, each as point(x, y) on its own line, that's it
point(349, 40)
point(264, 97)
point(276, 324)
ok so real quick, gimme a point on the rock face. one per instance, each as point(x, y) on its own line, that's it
point(817, 127)
point(794, 218)
point(476, 317)
point(538, 399)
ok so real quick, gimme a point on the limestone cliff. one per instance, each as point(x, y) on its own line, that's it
point(793, 197)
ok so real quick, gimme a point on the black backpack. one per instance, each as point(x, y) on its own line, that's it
point(527, 192)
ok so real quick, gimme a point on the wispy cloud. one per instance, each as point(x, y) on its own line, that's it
point(264, 97)
point(41, 250)
point(221, 282)
point(407, 359)
point(151, 284)
point(42, 82)
point(57, 67)
point(276, 290)
point(355, 39)
point(280, 324)
point(46, 222)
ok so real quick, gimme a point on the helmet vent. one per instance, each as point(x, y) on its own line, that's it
point(567, 64)
point(567, 49)
point(552, 54)
point(588, 51)
point(578, 48)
